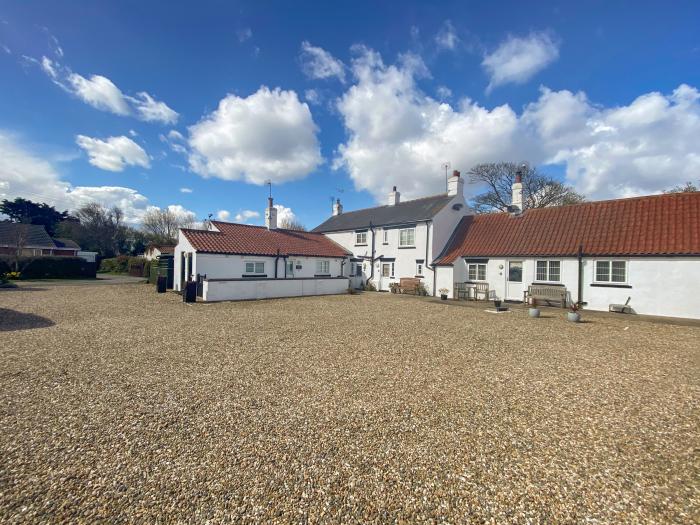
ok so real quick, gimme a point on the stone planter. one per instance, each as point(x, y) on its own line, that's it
point(534, 312)
point(574, 317)
point(443, 296)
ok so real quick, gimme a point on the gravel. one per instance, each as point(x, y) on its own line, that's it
point(121, 405)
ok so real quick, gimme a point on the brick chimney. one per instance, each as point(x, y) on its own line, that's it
point(394, 197)
point(337, 208)
point(455, 185)
point(270, 215)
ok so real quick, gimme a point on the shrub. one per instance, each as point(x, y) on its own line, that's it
point(118, 264)
point(421, 290)
point(54, 267)
point(369, 287)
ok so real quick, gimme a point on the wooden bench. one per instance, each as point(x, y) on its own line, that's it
point(409, 285)
point(544, 293)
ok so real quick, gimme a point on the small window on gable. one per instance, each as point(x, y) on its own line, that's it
point(361, 237)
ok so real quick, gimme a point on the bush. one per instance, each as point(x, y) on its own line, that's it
point(52, 267)
point(118, 264)
point(369, 287)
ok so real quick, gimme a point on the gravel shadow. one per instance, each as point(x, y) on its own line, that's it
point(11, 320)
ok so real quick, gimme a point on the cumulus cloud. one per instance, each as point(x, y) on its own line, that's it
point(318, 63)
point(312, 96)
point(24, 174)
point(517, 59)
point(246, 215)
point(284, 214)
point(398, 135)
point(223, 215)
point(101, 93)
point(185, 190)
point(447, 36)
point(114, 153)
point(267, 135)
point(244, 34)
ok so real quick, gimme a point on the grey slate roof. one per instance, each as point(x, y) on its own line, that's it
point(402, 213)
point(34, 235)
point(70, 244)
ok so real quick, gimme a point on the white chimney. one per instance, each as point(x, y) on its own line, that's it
point(455, 185)
point(270, 215)
point(517, 199)
point(394, 197)
point(337, 208)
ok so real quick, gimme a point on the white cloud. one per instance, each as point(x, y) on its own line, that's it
point(284, 214)
point(517, 59)
point(246, 215)
point(182, 212)
point(267, 135)
point(447, 36)
point(101, 93)
point(443, 92)
point(223, 215)
point(6, 49)
point(185, 190)
point(244, 34)
point(24, 174)
point(312, 96)
point(398, 135)
point(133, 133)
point(114, 153)
point(318, 63)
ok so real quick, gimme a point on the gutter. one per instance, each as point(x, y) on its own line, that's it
point(426, 263)
point(371, 271)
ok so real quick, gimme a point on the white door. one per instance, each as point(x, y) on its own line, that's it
point(514, 281)
point(290, 269)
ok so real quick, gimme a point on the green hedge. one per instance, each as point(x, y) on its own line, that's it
point(136, 266)
point(50, 267)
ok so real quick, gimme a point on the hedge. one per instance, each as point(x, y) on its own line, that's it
point(50, 267)
point(136, 266)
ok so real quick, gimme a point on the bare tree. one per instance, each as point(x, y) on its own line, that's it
point(291, 224)
point(688, 187)
point(163, 224)
point(539, 190)
point(100, 229)
point(20, 240)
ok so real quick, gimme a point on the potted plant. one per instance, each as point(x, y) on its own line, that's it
point(573, 314)
point(443, 293)
point(497, 303)
point(534, 311)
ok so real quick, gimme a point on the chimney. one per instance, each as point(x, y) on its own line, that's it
point(337, 208)
point(270, 215)
point(517, 199)
point(394, 197)
point(455, 185)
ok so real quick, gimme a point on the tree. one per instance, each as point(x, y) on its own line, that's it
point(26, 211)
point(162, 225)
point(688, 187)
point(291, 224)
point(98, 229)
point(539, 190)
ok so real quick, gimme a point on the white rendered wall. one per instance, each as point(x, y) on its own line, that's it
point(220, 266)
point(271, 288)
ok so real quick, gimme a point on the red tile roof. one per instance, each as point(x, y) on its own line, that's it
point(654, 225)
point(257, 240)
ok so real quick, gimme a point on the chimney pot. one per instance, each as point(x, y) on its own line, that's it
point(394, 189)
point(455, 173)
point(394, 197)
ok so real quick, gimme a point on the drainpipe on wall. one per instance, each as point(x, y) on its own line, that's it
point(426, 263)
point(580, 274)
point(371, 271)
point(277, 258)
point(284, 258)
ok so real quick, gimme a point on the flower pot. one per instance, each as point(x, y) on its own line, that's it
point(574, 317)
point(534, 312)
point(497, 304)
point(443, 296)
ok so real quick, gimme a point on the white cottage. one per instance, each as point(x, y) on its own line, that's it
point(400, 239)
point(645, 249)
point(238, 261)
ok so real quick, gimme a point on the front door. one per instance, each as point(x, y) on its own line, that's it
point(290, 269)
point(514, 281)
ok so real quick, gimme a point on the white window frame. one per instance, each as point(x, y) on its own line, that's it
point(255, 267)
point(548, 270)
point(390, 269)
point(419, 268)
point(609, 281)
point(385, 236)
point(363, 235)
point(323, 267)
point(476, 271)
point(405, 244)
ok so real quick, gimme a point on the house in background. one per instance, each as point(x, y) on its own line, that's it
point(399, 239)
point(238, 261)
point(33, 240)
point(155, 250)
point(646, 249)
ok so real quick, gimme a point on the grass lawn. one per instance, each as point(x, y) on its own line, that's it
point(119, 404)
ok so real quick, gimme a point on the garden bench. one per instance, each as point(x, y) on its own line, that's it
point(544, 293)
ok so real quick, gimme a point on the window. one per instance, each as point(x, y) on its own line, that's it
point(407, 237)
point(385, 236)
point(386, 270)
point(361, 237)
point(358, 269)
point(254, 267)
point(323, 267)
point(392, 269)
point(548, 271)
point(611, 272)
point(419, 268)
point(476, 271)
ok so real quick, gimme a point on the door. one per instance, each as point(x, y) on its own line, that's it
point(514, 281)
point(290, 269)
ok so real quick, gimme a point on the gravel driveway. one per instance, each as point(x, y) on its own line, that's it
point(121, 405)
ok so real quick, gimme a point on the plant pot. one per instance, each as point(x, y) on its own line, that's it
point(574, 317)
point(443, 296)
point(497, 304)
point(534, 312)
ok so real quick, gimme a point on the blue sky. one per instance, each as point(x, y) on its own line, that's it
point(156, 104)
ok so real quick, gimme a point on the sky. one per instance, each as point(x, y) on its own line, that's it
point(195, 106)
